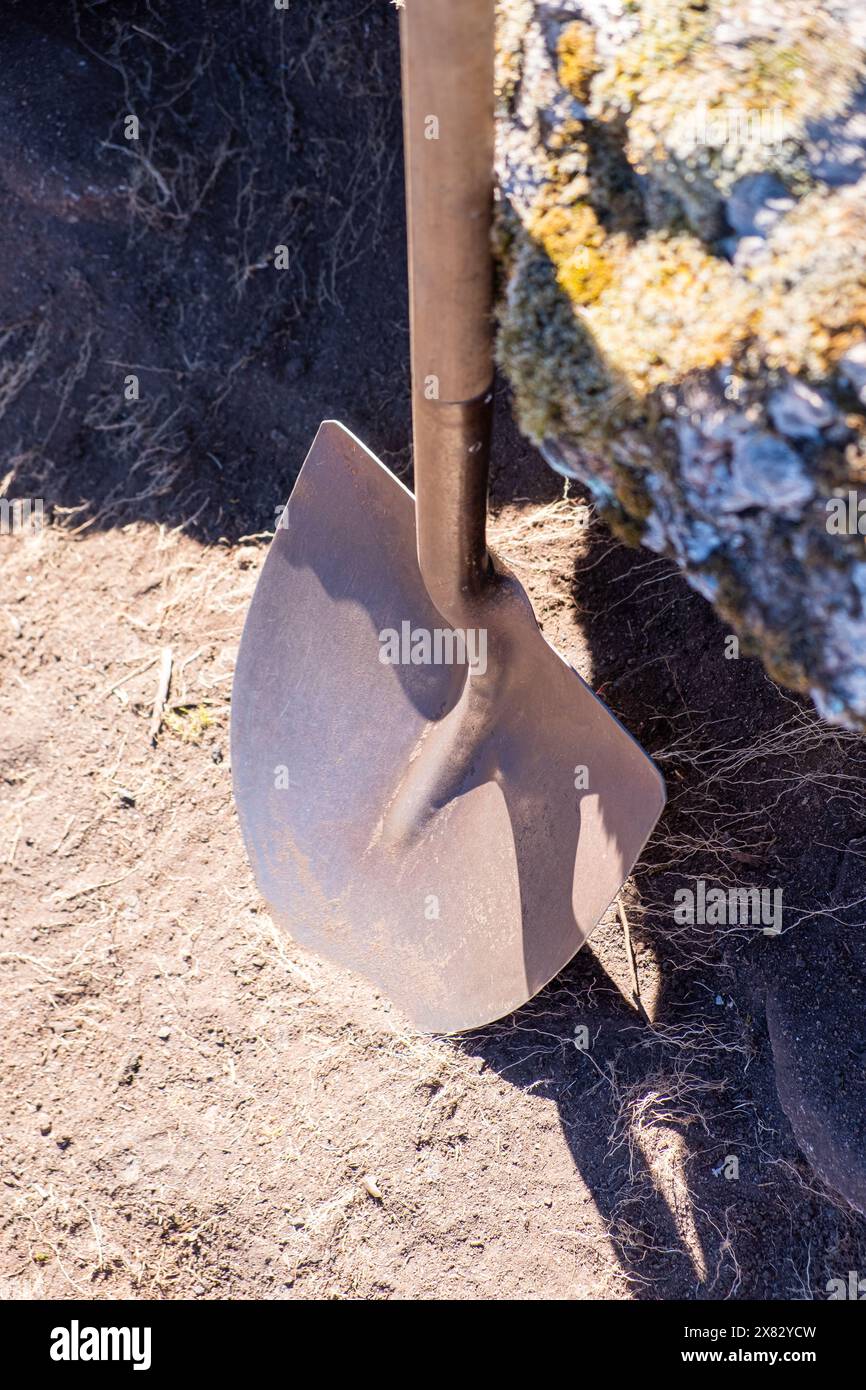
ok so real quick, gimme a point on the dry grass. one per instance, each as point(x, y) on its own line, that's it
point(23, 350)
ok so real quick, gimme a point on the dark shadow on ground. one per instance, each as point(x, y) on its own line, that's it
point(759, 794)
point(157, 257)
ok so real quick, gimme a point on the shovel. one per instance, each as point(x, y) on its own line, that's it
point(429, 794)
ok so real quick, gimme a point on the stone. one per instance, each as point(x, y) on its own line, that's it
point(755, 204)
point(799, 411)
point(681, 226)
point(817, 1028)
point(853, 369)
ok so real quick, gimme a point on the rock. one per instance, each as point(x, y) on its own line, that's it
point(755, 204)
point(767, 473)
point(853, 369)
point(837, 146)
point(817, 1028)
point(799, 411)
point(129, 1069)
point(682, 232)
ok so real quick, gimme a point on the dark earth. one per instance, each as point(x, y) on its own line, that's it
point(191, 1106)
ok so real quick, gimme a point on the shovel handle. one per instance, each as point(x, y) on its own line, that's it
point(447, 63)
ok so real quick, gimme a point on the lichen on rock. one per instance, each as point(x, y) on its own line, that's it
point(682, 233)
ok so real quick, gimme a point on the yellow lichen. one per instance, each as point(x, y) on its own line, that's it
point(575, 51)
point(617, 292)
point(672, 309)
point(572, 239)
point(643, 316)
point(561, 384)
point(812, 284)
point(511, 23)
point(737, 107)
point(670, 33)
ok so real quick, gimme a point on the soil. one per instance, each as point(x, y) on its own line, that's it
point(192, 1106)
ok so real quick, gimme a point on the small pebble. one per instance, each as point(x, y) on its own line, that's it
point(799, 411)
point(853, 368)
point(165, 1034)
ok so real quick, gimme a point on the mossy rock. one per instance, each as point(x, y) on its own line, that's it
point(682, 236)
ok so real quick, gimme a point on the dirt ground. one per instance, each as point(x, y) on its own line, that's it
point(191, 1105)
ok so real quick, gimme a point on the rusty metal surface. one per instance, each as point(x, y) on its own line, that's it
point(430, 836)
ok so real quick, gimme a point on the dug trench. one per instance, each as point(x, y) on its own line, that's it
point(192, 1106)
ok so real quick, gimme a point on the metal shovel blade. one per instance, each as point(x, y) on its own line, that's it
point(424, 821)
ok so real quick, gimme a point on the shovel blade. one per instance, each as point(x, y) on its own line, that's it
point(465, 919)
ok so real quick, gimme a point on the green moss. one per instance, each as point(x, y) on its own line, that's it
point(669, 32)
point(693, 104)
point(592, 326)
point(672, 309)
point(811, 284)
point(562, 385)
point(776, 74)
point(602, 315)
point(619, 292)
